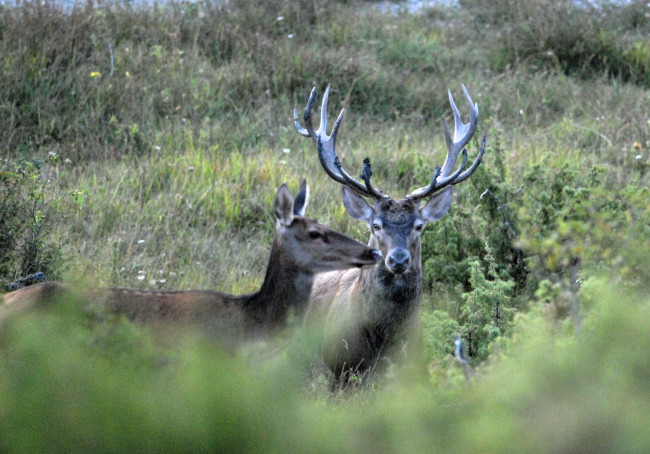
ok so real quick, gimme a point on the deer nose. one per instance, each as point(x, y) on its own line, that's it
point(398, 261)
point(369, 257)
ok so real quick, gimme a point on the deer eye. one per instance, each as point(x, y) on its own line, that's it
point(314, 235)
point(376, 226)
point(419, 226)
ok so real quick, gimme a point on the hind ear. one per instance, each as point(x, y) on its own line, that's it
point(301, 200)
point(284, 206)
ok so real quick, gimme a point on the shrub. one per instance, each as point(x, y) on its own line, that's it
point(28, 213)
point(488, 309)
point(481, 213)
point(440, 330)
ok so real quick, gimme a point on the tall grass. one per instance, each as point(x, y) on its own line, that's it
point(142, 148)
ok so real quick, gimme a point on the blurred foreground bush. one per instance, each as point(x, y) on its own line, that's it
point(74, 383)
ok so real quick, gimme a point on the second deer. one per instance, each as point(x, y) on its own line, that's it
point(302, 247)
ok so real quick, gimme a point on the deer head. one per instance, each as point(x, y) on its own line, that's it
point(310, 245)
point(395, 225)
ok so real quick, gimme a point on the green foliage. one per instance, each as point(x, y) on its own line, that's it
point(488, 309)
point(481, 214)
point(588, 40)
point(440, 330)
point(577, 222)
point(133, 400)
point(107, 76)
point(543, 391)
point(28, 213)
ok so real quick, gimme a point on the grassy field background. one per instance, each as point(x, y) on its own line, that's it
point(142, 148)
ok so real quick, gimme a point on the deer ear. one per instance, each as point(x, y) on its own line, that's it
point(356, 206)
point(301, 200)
point(284, 206)
point(437, 206)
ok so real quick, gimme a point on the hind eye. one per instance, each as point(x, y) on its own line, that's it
point(376, 226)
point(314, 235)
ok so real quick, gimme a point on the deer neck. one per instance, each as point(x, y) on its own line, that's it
point(286, 288)
point(402, 290)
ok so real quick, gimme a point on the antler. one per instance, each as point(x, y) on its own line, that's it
point(327, 150)
point(462, 135)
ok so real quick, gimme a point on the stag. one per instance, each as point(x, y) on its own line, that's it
point(373, 314)
point(302, 247)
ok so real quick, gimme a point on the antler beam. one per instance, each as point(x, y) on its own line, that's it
point(462, 135)
point(443, 177)
point(326, 146)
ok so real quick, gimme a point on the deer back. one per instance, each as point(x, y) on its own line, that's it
point(301, 248)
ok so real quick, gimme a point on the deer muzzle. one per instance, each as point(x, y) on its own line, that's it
point(369, 257)
point(398, 260)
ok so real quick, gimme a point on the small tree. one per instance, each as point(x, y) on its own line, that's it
point(488, 308)
point(26, 218)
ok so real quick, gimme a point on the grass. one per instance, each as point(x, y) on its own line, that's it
point(143, 147)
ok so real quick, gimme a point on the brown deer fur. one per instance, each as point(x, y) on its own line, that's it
point(302, 247)
point(375, 313)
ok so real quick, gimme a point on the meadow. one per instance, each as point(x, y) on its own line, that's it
point(142, 148)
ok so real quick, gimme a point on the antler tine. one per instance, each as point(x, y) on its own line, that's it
point(438, 185)
point(468, 173)
point(462, 135)
point(326, 146)
point(309, 130)
point(352, 183)
point(365, 175)
point(368, 190)
point(322, 129)
point(462, 132)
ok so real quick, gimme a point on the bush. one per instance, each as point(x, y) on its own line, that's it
point(481, 213)
point(28, 213)
point(488, 310)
